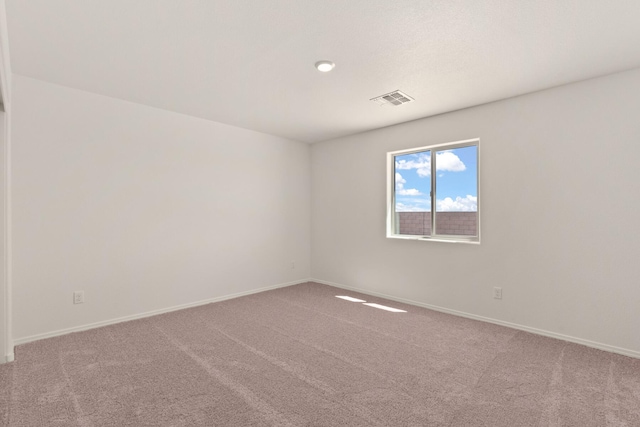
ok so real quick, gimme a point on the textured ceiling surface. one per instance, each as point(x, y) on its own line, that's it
point(249, 63)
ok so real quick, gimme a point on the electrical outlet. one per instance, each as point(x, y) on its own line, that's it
point(78, 297)
point(497, 293)
point(293, 265)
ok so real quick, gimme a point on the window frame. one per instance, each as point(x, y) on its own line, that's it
point(393, 224)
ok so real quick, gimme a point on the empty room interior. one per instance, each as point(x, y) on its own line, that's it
point(320, 213)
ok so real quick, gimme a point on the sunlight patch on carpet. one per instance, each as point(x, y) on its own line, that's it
point(384, 307)
point(352, 299)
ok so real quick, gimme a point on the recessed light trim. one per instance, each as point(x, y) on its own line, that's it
point(325, 66)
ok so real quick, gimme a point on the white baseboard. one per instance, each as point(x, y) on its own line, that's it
point(59, 332)
point(588, 343)
point(593, 344)
point(6, 359)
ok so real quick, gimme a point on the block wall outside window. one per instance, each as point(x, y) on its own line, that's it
point(433, 192)
point(452, 223)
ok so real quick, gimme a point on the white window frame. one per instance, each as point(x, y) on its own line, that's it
point(392, 223)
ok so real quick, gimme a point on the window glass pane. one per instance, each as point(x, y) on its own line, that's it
point(412, 188)
point(457, 191)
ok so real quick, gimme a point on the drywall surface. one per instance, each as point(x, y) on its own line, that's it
point(560, 213)
point(6, 341)
point(4, 338)
point(144, 209)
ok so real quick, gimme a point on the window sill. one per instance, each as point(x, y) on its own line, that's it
point(473, 241)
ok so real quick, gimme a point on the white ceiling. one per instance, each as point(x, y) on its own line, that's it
point(249, 63)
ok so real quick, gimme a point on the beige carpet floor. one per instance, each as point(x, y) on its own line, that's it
point(299, 356)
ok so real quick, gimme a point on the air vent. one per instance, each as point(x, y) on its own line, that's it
point(394, 98)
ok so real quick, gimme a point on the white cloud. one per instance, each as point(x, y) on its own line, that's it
point(424, 172)
point(422, 164)
point(448, 161)
point(413, 204)
point(409, 192)
point(421, 161)
point(401, 207)
point(460, 204)
point(401, 191)
point(445, 161)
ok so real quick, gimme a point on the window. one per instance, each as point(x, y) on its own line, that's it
point(433, 192)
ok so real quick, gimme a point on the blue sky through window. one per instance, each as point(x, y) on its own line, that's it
point(456, 180)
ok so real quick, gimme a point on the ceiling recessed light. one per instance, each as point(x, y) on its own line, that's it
point(325, 66)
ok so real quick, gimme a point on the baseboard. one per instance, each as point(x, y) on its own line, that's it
point(6, 359)
point(88, 326)
point(593, 344)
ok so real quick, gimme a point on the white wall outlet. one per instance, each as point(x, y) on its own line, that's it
point(78, 297)
point(293, 265)
point(497, 293)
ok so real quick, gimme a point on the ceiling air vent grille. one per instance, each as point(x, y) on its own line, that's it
point(394, 98)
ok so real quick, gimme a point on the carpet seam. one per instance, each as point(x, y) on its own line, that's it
point(484, 372)
point(81, 417)
point(358, 325)
point(329, 394)
point(549, 384)
point(262, 360)
point(221, 378)
point(10, 400)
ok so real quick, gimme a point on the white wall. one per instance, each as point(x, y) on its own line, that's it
point(6, 340)
point(560, 214)
point(5, 351)
point(144, 209)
